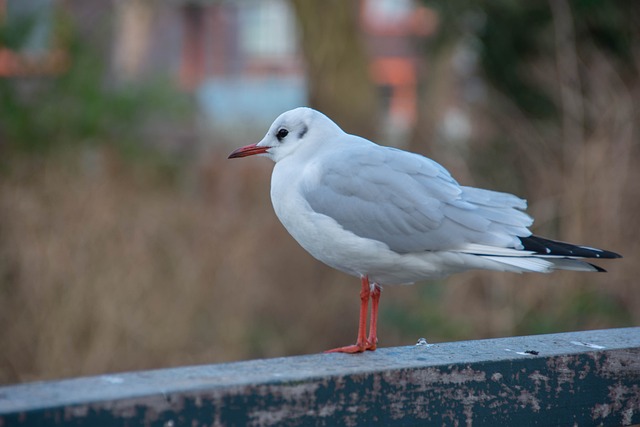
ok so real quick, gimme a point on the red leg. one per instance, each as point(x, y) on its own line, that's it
point(373, 324)
point(361, 344)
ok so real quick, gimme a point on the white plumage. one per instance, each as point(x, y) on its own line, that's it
point(392, 216)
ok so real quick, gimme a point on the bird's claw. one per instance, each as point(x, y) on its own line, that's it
point(354, 348)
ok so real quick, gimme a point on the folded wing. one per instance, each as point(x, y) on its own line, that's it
point(411, 203)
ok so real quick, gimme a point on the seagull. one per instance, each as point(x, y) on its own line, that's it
point(390, 216)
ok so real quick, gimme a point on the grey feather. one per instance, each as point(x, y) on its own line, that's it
point(415, 204)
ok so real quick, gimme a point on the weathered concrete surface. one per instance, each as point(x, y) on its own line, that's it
point(581, 378)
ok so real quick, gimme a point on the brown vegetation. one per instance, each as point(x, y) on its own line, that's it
point(116, 270)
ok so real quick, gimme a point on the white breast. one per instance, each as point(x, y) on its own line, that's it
point(330, 243)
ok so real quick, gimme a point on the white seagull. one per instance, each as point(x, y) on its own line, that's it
point(393, 217)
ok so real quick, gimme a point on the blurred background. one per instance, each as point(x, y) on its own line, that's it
point(128, 241)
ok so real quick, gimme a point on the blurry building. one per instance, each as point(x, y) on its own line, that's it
point(393, 29)
point(240, 59)
point(243, 59)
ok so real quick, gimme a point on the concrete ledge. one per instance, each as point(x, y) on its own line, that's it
point(578, 378)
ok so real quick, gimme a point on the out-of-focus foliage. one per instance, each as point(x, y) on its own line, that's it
point(80, 106)
point(510, 35)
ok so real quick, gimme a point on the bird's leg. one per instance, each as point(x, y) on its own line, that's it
point(372, 341)
point(361, 344)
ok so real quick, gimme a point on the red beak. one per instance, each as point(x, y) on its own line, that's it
point(248, 150)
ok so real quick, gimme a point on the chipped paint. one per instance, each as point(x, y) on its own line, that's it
point(586, 344)
point(521, 353)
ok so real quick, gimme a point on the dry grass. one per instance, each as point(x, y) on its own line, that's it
point(113, 271)
point(117, 270)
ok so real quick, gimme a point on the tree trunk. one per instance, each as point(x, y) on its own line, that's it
point(337, 64)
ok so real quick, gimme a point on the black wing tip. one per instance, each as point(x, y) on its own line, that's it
point(543, 246)
point(601, 253)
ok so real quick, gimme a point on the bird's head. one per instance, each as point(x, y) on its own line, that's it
point(289, 132)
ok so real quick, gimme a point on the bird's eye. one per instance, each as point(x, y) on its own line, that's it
point(282, 133)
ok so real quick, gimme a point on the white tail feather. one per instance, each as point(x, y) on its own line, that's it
point(527, 261)
point(524, 264)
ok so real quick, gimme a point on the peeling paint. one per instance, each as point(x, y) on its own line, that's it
point(521, 353)
point(586, 344)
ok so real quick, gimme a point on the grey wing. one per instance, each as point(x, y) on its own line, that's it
point(411, 203)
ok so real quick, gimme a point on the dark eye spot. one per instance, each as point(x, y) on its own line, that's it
point(282, 133)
